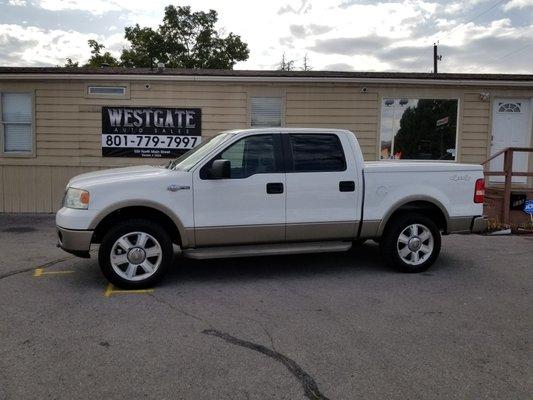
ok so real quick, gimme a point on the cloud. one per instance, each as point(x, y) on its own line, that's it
point(302, 31)
point(30, 45)
point(339, 67)
point(350, 46)
point(390, 35)
point(298, 31)
point(305, 7)
point(517, 4)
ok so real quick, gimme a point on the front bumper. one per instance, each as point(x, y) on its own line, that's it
point(77, 242)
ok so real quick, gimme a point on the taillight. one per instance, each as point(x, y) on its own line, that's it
point(479, 191)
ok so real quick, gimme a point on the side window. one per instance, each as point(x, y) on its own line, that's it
point(266, 111)
point(251, 155)
point(317, 153)
point(17, 120)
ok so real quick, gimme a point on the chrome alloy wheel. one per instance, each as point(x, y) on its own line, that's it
point(415, 244)
point(136, 256)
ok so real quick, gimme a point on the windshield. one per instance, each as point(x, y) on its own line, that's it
point(188, 160)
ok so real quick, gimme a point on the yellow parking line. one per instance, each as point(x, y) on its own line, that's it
point(40, 272)
point(110, 289)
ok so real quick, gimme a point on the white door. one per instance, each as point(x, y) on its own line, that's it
point(248, 207)
point(511, 127)
point(321, 187)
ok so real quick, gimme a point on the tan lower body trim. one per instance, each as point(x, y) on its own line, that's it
point(370, 229)
point(275, 233)
point(239, 234)
point(302, 232)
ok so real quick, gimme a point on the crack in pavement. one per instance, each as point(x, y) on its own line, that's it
point(173, 307)
point(46, 265)
point(309, 385)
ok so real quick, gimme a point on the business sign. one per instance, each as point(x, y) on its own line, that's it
point(153, 132)
point(528, 207)
point(442, 121)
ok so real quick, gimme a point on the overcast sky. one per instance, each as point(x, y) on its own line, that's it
point(474, 36)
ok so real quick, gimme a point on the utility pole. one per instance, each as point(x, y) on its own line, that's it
point(436, 58)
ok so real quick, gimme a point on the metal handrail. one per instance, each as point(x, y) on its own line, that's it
point(508, 173)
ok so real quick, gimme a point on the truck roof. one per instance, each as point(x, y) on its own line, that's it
point(285, 130)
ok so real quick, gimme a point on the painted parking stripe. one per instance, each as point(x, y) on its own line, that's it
point(110, 290)
point(40, 272)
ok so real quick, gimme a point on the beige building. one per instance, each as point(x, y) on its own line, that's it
point(52, 124)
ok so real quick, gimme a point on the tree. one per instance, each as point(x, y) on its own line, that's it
point(422, 136)
point(306, 66)
point(285, 65)
point(71, 64)
point(185, 39)
point(100, 60)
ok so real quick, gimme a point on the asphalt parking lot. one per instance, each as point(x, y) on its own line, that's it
point(328, 326)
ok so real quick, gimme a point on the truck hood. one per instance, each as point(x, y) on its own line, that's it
point(114, 175)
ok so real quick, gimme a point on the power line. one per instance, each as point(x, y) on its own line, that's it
point(472, 19)
point(508, 54)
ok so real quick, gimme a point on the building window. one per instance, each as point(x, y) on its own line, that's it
point(17, 119)
point(509, 107)
point(418, 129)
point(118, 91)
point(266, 111)
point(317, 153)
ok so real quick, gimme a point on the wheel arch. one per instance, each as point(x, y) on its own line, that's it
point(426, 205)
point(141, 209)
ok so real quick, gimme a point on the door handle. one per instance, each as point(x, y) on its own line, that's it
point(347, 186)
point(274, 188)
point(175, 188)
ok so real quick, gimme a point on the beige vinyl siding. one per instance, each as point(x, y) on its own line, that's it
point(68, 124)
point(474, 143)
point(336, 107)
point(1, 188)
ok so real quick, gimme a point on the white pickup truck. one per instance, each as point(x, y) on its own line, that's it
point(263, 192)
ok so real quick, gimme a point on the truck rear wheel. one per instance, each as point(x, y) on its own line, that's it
point(411, 243)
point(135, 254)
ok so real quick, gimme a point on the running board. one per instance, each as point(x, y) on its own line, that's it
point(266, 250)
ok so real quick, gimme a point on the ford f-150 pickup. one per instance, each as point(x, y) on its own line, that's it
point(265, 192)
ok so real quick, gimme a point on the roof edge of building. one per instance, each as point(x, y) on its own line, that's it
point(207, 75)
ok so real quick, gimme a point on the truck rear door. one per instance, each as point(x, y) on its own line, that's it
point(321, 185)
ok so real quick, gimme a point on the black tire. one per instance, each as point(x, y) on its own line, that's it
point(123, 228)
point(390, 246)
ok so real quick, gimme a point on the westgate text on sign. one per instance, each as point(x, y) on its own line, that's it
point(150, 131)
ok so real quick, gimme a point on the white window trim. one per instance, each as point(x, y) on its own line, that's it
point(418, 97)
point(126, 95)
point(18, 154)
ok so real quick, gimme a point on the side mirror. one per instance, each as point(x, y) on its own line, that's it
point(220, 169)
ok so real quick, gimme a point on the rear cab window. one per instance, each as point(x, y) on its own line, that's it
point(321, 152)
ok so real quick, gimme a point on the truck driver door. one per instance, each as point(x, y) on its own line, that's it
point(248, 206)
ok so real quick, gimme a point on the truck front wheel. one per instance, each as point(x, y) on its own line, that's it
point(135, 254)
point(411, 243)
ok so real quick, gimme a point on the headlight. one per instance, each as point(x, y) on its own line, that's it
point(76, 198)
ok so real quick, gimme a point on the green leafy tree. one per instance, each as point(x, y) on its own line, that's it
point(98, 59)
point(185, 39)
point(419, 137)
point(71, 64)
